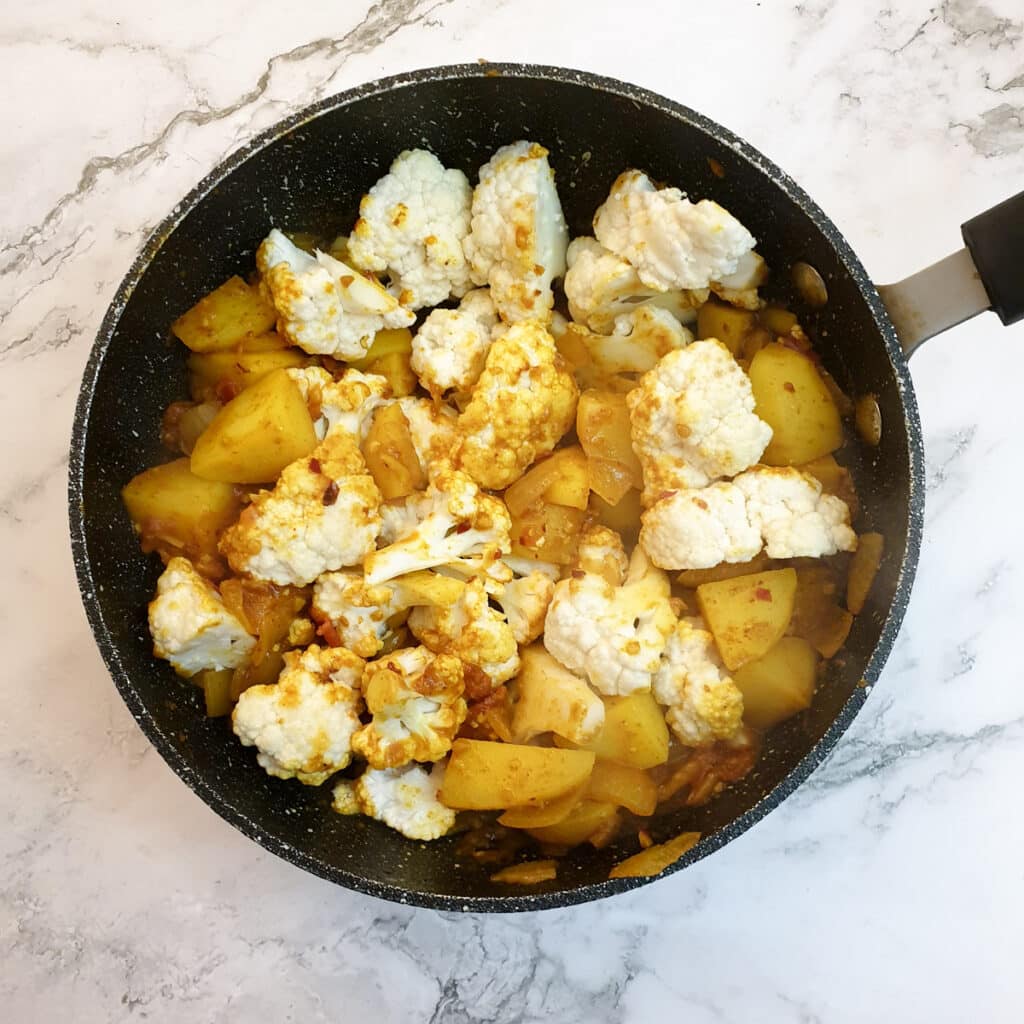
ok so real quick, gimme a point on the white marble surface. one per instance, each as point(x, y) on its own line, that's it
point(889, 888)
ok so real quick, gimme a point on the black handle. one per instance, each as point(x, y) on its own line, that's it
point(996, 241)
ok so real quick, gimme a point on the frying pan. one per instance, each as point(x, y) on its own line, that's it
point(309, 171)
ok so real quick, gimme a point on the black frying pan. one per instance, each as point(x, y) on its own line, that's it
point(309, 172)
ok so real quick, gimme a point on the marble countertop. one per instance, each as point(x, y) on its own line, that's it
point(889, 887)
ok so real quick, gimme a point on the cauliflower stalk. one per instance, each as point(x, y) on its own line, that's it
point(190, 626)
point(613, 635)
point(450, 349)
point(518, 239)
point(523, 403)
point(703, 703)
point(303, 725)
point(601, 287)
point(411, 225)
point(416, 701)
point(471, 630)
point(693, 420)
point(323, 305)
point(671, 242)
point(322, 515)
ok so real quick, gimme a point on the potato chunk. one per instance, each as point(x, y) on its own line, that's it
point(863, 570)
point(726, 323)
point(748, 615)
point(547, 533)
point(634, 733)
point(220, 375)
point(602, 423)
point(256, 434)
point(553, 699)
point(561, 479)
point(485, 776)
point(778, 684)
point(792, 399)
point(222, 319)
point(587, 820)
point(391, 455)
point(623, 786)
point(655, 859)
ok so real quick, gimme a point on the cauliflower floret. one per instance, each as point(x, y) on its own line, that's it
point(416, 701)
point(450, 349)
point(453, 521)
point(361, 616)
point(324, 306)
point(523, 403)
point(191, 628)
point(472, 631)
point(406, 799)
point(525, 601)
point(343, 798)
point(793, 516)
point(672, 242)
point(740, 287)
point(613, 636)
point(344, 404)
point(699, 529)
point(693, 419)
point(783, 509)
point(412, 224)
point(322, 515)
point(601, 552)
point(518, 239)
point(432, 427)
point(640, 339)
point(601, 287)
point(303, 724)
point(704, 704)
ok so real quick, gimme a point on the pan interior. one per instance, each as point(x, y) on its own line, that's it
point(311, 177)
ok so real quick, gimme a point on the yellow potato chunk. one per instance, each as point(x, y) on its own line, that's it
point(602, 424)
point(547, 533)
point(792, 399)
point(726, 323)
point(623, 517)
point(385, 343)
point(256, 434)
point(550, 813)
point(777, 320)
point(588, 819)
point(225, 317)
point(210, 373)
point(817, 617)
point(176, 512)
point(396, 369)
point(655, 859)
point(778, 684)
point(485, 776)
point(529, 872)
point(726, 571)
point(553, 699)
point(610, 481)
point(391, 455)
point(863, 570)
point(624, 786)
point(561, 479)
point(748, 615)
point(634, 732)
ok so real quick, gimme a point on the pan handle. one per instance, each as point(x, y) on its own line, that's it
point(987, 274)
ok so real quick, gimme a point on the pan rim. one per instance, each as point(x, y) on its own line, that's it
point(525, 902)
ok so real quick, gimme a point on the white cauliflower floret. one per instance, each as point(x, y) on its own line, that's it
point(699, 529)
point(191, 628)
point(344, 404)
point(324, 306)
point(406, 799)
point(601, 287)
point(640, 339)
point(613, 636)
point(781, 508)
point(793, 516)
point(523, 403)
point(518, 239)
point(352, 613)
point(450, 349)
point(602, 553)
point(704, 704)
point(525, 601)
point(412, 224)
point(453, 521)
point(740, 287)
point(672, 242)
point(303, 724)
point(322, 515)
point(343, 798)
point(472, 631)
point(432, 427)
point(416, 701)
point(693, 419)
